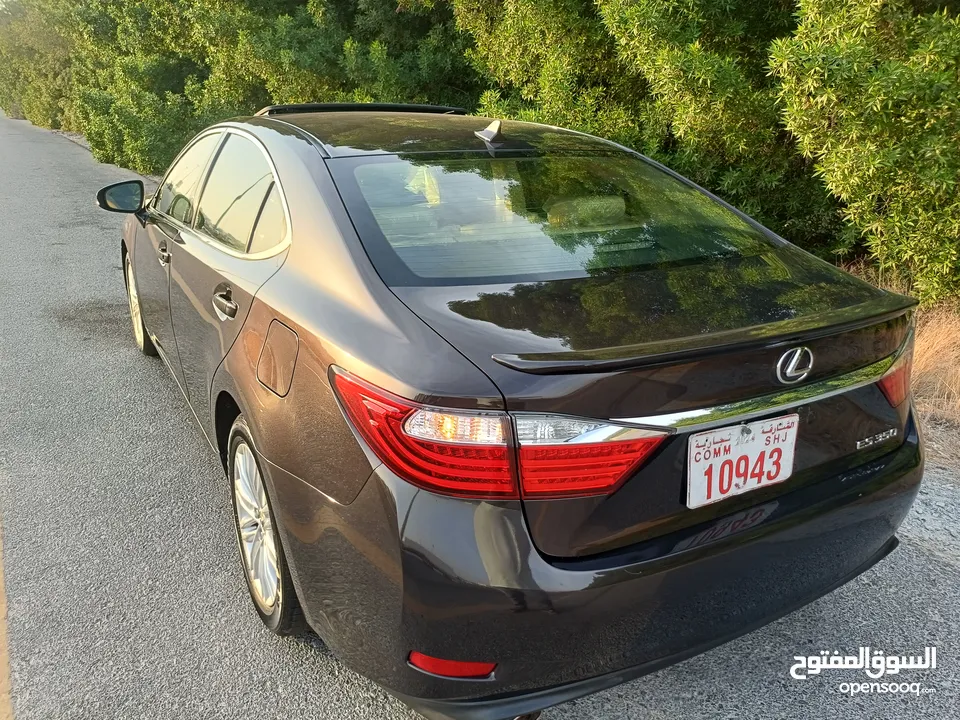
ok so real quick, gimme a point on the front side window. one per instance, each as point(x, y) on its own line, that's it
point(176, 195)
point(235, 193)
point(470, 221)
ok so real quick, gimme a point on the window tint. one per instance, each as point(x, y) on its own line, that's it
point(177, 194)
point(234, 193)
point(427, 221)
point(272, 225)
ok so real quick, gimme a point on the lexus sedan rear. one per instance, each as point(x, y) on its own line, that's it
point(511, 414)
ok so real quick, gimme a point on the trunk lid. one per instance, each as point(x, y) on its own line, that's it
point(589, 282)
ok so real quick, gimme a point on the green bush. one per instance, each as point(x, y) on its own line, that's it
point(705, 63)
point(684, 82)
point(871, 90)
point(834, 122)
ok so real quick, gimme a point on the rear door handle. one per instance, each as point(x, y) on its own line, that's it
point(225, 306)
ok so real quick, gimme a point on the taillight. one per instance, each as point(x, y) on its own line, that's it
point(895, 385)
point(467, 454)
point(568, 457)
point(452, 452)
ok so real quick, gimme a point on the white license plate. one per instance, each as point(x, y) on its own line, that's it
point(736, 459)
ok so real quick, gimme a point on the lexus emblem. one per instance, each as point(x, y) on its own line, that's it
point(794, 365)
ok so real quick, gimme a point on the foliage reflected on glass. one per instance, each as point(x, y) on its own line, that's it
point(511, 218)
point(632, 307)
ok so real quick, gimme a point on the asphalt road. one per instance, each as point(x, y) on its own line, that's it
point(124, 593)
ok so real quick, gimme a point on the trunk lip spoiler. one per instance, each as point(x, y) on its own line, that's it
point(743, 410)
point(756, 337)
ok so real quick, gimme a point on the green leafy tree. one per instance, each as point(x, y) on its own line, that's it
point(683, 82)
point(705, 63)
point(872, 92)
point(35, 63)
point(553, 61)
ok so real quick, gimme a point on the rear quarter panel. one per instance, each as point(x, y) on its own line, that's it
point(329, 295)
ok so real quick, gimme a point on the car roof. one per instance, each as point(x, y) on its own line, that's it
point(346, 134)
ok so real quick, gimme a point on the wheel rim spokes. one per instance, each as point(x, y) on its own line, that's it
point(255, 525)
point(134, 300)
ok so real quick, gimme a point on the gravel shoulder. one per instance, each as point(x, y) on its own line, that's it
point(124, 595)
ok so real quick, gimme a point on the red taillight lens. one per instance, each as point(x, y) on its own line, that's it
point(895, 385)
point(451, 668)
point(581, 469)
point(467, 454)
point(571, 457)
point(474, 464)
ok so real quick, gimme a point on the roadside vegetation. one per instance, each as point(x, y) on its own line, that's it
point(937, 364)
point(936, 380)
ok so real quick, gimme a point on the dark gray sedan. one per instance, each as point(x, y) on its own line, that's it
point(511, 414)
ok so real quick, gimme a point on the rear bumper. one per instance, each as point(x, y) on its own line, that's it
point(401, 569)
point(513, 705)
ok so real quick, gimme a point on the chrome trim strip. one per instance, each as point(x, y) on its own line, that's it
point(743, 410)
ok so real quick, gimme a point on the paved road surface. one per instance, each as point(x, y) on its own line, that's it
point(124, 594)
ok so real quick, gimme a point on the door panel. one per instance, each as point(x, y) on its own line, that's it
point(153, 285)
point(213, 279)
point(170, 210)
point(200, 271)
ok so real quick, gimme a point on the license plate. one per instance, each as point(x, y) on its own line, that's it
point(736, 459)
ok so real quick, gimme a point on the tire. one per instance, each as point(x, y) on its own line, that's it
point(258, 538)
point(140, 335)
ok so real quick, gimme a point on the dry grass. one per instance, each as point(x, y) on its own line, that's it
point(936, 355)
point(873, 275)
point(936, 363)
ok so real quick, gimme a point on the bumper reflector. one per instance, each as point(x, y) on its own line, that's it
point(451, 668)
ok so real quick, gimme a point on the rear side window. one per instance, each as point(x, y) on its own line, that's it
point(234, 193)
point(177, 194)
point(472, 221)
point(271, 226)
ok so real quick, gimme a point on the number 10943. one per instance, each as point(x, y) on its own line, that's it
point(734, 460)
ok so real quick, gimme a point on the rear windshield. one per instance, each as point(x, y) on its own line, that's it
point(489, 220)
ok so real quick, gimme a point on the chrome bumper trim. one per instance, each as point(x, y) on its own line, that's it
point(743, 410)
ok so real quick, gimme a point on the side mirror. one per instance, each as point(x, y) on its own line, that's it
point(123, 197)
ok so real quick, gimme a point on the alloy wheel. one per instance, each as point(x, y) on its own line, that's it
point(255, 530)
point(134, 300)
